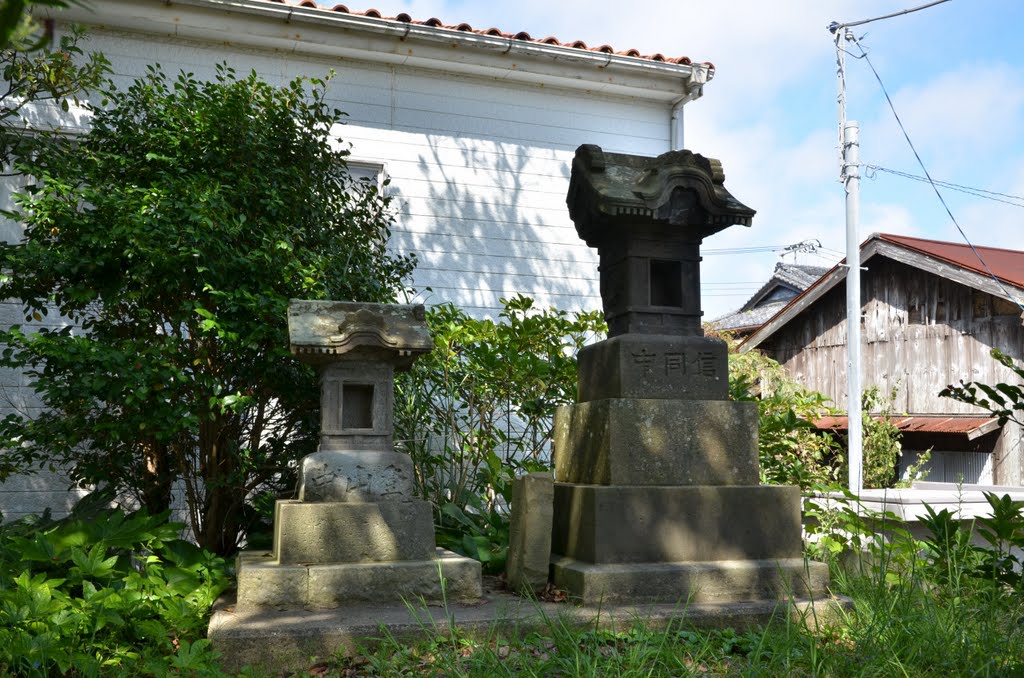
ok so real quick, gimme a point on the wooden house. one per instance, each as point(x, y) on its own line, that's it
point(931, 312)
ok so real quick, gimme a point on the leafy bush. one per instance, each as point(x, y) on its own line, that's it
point(107, 592)
point(881, 439)
point(38, 78)
point(791, 450)
point(1005, 401)
point(932, 606)
point(169, 239)
point(477, 411)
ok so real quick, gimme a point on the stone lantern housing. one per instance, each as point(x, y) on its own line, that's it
point(656, 493)
point(647, 217)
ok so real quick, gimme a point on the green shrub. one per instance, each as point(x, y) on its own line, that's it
point(173, 233)
point(1005, 401)
point(791, 450)
point(111, 593)
point(477, 411)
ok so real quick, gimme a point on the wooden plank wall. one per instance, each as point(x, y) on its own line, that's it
point(920, 332)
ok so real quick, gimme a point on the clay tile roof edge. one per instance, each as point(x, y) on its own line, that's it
point(496, 32)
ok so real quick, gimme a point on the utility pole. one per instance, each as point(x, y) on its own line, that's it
point(849, 174)
point(851, 180)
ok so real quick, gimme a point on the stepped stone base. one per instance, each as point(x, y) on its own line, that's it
point(263, 584)
point(337, 532)
point(727, 581)
point(629, 524)
point(637, 441)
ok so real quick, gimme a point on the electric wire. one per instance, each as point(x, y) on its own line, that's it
point(970, 190)
point(835, 26)
point(938, 193)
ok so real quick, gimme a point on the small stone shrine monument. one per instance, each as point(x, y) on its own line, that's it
point(656, 493)
point(356, 533)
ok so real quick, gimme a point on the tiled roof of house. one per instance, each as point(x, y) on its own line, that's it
point(799, 276)
point(1007, 265)
point(497, 32)
point(748, 320)
point(789, 278)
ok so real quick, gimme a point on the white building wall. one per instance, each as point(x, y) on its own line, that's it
point(479, 170)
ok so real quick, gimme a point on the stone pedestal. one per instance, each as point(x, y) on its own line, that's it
point(355, 534)
point(656, 496)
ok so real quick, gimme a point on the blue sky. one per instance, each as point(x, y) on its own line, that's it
point(955, 72)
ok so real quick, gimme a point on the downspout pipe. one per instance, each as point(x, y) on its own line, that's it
point(702, 74)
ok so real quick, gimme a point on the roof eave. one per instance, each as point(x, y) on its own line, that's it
point(868, 249)
point(258, 24)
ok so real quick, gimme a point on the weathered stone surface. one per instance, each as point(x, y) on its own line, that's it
point(619, 524)
point(356, 406)
point(264, 584)
point(307, 532)
point(630, 441)
point(654, 367)
point(355, 476)
point(529, 549)
point(646, 217)
point(273, 641)
point(723, 581)
point(321, 332)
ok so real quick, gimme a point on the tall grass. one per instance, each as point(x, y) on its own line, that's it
point(941, 606)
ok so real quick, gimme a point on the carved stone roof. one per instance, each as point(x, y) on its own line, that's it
point(678, 188)
point(322, 332)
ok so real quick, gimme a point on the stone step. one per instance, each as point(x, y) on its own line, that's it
point(727, 581)
point(351, 532)
point(264, 584)
point(623, 524)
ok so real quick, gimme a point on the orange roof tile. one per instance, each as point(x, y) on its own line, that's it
point(1007, 265)
point(522, 35)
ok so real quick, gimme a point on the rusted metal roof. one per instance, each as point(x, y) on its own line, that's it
point(972, 427)
point(1005, 264)
point(497, 32)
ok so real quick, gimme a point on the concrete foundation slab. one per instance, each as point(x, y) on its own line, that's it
point(279, 642)
point(620, 524)
point(335, 532)
point(262, 583)
point(722, 581)
point(631, 441)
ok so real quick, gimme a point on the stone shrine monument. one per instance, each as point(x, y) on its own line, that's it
point(656, 494)
point(356, 533)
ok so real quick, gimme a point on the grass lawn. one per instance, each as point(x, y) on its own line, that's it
point(901, 624)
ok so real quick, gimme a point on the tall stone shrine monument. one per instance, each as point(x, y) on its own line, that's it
point(656, 495)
